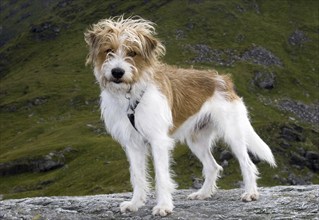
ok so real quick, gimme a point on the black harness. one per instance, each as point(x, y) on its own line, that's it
point(131, 113)
point(132, 106)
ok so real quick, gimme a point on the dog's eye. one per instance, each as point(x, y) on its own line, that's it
point(108, 51)
point(131, 54)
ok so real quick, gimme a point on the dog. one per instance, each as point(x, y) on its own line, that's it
point(147, 106)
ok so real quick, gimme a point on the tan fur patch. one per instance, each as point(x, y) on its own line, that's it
point(188, 89)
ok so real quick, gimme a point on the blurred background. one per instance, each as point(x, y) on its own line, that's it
point(52, 141)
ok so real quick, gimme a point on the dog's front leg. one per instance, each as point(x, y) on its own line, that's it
point(137, 159)
point(164, 184)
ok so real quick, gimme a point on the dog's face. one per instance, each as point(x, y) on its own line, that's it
point(121, 50)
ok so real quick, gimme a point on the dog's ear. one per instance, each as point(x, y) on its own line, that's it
point(91, 38)
point(153, 48)
point(151, 43)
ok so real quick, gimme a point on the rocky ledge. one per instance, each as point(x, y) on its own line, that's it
point(280, 202)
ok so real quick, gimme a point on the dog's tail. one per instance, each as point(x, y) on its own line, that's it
point(258, 147)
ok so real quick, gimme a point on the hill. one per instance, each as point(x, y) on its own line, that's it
point(52, 139)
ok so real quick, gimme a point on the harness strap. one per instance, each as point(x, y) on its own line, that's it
point(132, 107)
point(131, 113)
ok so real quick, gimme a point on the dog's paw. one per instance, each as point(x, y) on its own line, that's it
point(248, 197)
point(129, 206)
point(199, 196)
point(162, 210)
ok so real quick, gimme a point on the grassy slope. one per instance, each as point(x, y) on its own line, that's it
point(55, 70)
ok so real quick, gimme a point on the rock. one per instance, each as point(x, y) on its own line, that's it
point(48, 162)
point(312, 155)
point(261, 56)
point(225, 155)
point(297, 159)
point(197, 183)
point(240, 9)
point(205, 54)
point(308, 113)
point(179, 34)
point(63, 3)
point(29, 165)
point(315, 166)
point(297, 38)
point(224, 163)
point(264, 80)
point(255, 6)
point(37, 101)
point(285, 144)
point(313, 160)
point(45, 31)
point(280, 202)
point(298, 180)
point(97, 128)
point(292, 133)
point(29, 104)
point(228, 57)
point(9, 108)
point(281, 179)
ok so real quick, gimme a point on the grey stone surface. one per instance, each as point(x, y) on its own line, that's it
point(298, 38)
point(264, 80)
point(309, 113)
point(280, 202)
point(228, 57)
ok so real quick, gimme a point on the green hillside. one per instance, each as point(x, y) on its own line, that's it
point(52, 139)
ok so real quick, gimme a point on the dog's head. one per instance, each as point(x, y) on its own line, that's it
point(121, 50)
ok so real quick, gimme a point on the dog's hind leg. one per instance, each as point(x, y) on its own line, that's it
point(249, 171)
point(232, 121)
point(137, 156)
point(200, 145)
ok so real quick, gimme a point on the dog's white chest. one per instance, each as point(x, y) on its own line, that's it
point(152, 115)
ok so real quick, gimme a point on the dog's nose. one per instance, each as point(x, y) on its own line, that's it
point(117, 73)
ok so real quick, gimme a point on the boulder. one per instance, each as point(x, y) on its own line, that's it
point(264, 80)
point(261, 56)
point(225, 155)
point(279, 202)
point(297, 38)
point(51, 161)
point(313, 160)
point(297, 159)
point(292, 133)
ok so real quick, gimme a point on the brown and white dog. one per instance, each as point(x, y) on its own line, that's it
point(147, 106)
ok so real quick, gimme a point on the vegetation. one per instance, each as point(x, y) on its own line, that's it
point(49, 99)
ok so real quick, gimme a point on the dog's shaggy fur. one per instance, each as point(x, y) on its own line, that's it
point(168, 104)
